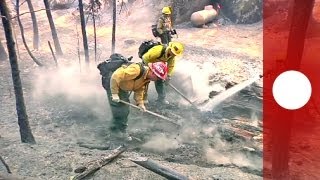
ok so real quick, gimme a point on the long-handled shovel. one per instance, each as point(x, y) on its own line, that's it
point(152, 113)
point(182, 95)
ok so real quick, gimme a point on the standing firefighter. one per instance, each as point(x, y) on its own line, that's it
point(163, 53)
point(164, 25)
point(123, 80)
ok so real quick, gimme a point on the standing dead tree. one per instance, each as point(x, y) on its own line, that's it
point(53, 28)
point(3, 53)
point(23, 37)
point(114, 18)
point(35, 25)
point(84, 33)
point(95, 6)
point(25, 131)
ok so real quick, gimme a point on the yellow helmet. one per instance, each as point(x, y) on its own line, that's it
point(166, 10)
point(176, 48)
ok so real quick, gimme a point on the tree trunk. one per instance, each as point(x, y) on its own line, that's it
point(25, 131)
point(301, 14)
point(114, 4)
point(3, 53)
point(94, 30)
point(35, 26)
point(53, 28)
point(22, 35)
point(84, 34)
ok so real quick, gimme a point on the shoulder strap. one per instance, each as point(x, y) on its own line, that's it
point(161, 18)
point(164, 47)
point(142, 70)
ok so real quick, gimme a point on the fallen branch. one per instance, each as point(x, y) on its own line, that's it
point(28, 12)
point(159, 169)
point(92, 146)
point(5, 165)
point(95, 165)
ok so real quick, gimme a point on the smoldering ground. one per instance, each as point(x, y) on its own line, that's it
point(83, 108)
point(195, 130)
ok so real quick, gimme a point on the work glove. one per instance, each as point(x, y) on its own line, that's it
point(115, 98)
point(142, 107)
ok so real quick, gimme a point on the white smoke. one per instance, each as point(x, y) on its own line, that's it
point(161, 143)
point(83, 88)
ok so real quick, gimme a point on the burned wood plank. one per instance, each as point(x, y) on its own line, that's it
point(243, 132)
point(95, 165)
point(246, 126)
point(159, 169)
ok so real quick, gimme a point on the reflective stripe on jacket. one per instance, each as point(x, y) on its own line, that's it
point(123, 78)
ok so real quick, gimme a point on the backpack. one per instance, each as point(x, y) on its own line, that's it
point(154, 30)
point(146, 45)
point(115, 61)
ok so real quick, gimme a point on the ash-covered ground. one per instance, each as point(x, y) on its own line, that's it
point(68, 109)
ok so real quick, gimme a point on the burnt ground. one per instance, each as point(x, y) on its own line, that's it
point(68, 110)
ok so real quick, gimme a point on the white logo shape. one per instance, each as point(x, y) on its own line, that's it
point(291, 90)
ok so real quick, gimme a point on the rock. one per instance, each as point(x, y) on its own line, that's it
point(243, 11)
point(213, 93)
point(130, 42)
point(62, 4)
point(230, 85)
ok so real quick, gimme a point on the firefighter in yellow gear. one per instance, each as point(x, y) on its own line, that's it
point(163, 53)
point(123, 80)
point(164, 25)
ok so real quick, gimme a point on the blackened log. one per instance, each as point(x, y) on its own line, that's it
point(159, 169)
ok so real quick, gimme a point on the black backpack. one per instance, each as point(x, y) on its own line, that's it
point(115, 61)
point(154, 30)
point(146, 45)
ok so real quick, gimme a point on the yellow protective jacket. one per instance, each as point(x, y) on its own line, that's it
point(153, 55)
point(123, 78)
point(164, 24)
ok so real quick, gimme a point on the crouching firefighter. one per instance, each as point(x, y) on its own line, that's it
point(133, 77)
point(163, 53)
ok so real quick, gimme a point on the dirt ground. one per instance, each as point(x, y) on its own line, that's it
point(68, 108)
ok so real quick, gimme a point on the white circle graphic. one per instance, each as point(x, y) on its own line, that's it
point(291, 90)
